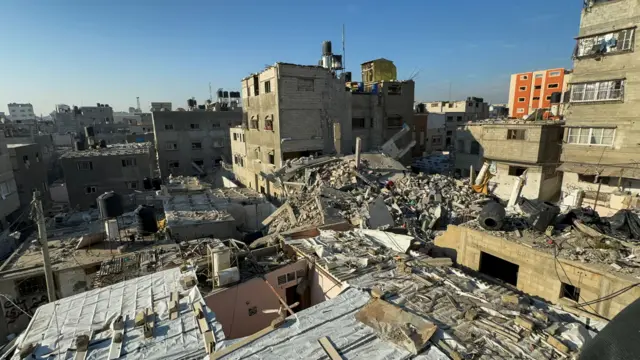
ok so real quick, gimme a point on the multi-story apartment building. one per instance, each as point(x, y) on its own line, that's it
point(30, 172)
point(428, 132)
point(161, 106)
point(9, 200)
point(289, 111)
point(601, 149)
point(92, 172)
point(193, 142)
point(534, 90)
point(512, 149)
point(21, 112)
point(70, 120)
point(457, 113)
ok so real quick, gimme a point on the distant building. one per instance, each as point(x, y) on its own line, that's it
point(534, 90)
point(74, 120)
point(120, 168)
point(30, 172)
point(193, 142)
point(9, 199)
point(21, 112)
point(161, 106)
point(458, 113)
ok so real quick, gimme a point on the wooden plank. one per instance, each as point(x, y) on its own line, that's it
point(239, 344)
point(284, 303)
point(328, 348)
point(117, 339)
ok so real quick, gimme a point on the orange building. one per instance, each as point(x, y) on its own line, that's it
point(532, 90)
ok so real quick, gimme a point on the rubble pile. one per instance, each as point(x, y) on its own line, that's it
point(372, 197)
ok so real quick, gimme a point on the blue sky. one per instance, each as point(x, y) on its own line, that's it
point(83, 52)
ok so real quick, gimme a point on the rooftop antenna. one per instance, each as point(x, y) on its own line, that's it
point(344, 54)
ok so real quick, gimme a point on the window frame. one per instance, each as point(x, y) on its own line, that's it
point(579, 91)
point(589, 136)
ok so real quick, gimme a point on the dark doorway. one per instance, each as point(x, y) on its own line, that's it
point(499, 268)
point(293, 297)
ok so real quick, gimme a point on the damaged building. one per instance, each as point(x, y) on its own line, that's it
point(458, 113)
point(600, 142)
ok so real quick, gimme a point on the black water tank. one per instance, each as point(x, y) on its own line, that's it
point(88, 131)
point(146, 183)
point(79, 145)
point(347, 76)
point(146, 220)
point(156, 182)
point(110, 205)
point(420, 108)
point(491, 216)
point(225, 94)
point(103, 143)
point(219, 93)
point(556, 97)
point(326, 47)
point(543, 217)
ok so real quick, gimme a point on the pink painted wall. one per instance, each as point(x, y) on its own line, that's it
point(239, 308)
point(323, 287)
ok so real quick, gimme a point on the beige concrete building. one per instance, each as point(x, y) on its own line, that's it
point(289, 111)
point(513, 148)
point(9, 199)
point(458, 113)
point(601, 147)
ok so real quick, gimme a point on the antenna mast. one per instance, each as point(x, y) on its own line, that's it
point(344, 54)
point(138, 101)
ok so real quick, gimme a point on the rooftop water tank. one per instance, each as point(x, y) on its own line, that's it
point(110, 205)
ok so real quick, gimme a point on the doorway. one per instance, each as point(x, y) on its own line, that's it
point(499, 268)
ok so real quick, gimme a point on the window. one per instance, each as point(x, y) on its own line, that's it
point(357, 123)
point(171, 146)
point(282, 279)
point(520, 111)
point(268, 124)
point(128, 162)
point(132, 185)
point(195, 126)
point(603, 44)
point(521, 99)
point(516, 170)
point(32, 286)
point(537, 87)
point(4, 189)
point(458, 118)
point(591, 136)
point(198, 162)
point(523, 88)
point(267, 86)
point(395, 89)
point(536, 98)
point(305, 85)
point(272, 158)
point(449, 133)
point(513, 134)
point(90, 190)
point(475, 148)
point(84, 165)
point(570, 292)
point(554, 73)
point(538, 76)
point(37, 157)
point(449, 118)
point(168, 126)
point(524, 77)
point(436, 140)
point(552, 86)
point(254, 122)
point(597, 91)
point(196, 145)
point(215, 125)
point(548, 98)
point(235, 137)
point(394, 121)
point(173, 164)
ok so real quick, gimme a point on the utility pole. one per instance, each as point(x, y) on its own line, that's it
point(42, 235)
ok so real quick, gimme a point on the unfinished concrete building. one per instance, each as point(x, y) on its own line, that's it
point(429, 132)
point(120, 168)
point(9, 199)
point(513, 150)
point(458, 113)
point(289, 111)
point(193, 142)
point(30, 172)
point(601, 138)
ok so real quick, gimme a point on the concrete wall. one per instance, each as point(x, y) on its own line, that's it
point(107, 174)
point(537, 274)
point(58, 192)
point(542, 182)
point(609, 191)
point(30, 172)
point(239, 308)
point(209, 128)
point(190, 231)
point(10, 202)
point(323, 286)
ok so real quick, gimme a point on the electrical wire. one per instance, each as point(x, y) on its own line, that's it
point(608, 297)
point(14, 304)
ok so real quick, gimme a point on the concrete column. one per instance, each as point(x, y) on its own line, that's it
point(517, 187)
point(472, 173)
point(358, 146)
point(337, 138)
point(482, 173)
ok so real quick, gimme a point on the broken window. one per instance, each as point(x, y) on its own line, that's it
point(357, 123)
point(196, 145)
point(199, 162)
point(253, 124)
point(132, 185)
point(171, 146)
point(168, 126)
point(256, 85)
point(513, 134)
point(570, 292)
point(458, 118)
point(591, 136)
point(291, 276)
point(536, 98)
point(128, 162)
point(436, 140)
point(394, 121)
point(521, 99)
point(85, 165)
point(449, 118)
point(592, 179)
point(268, 124)
point(272, 158)
point(90, 190)
point(499, 268)
point(524, 77)
point(195, 126)
point(395, 89)
point(516, 170)
point(173, 164)
point(32, 286)
point(603, 44)
point(475, 148)
point(267, 86)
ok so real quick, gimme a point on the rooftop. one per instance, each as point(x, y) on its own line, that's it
point(195, 209)
point(514, 122)
point(111, 150)
point(55, 327)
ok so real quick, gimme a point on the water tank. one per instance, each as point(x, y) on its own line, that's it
point(544, 216)
point(556, 97)
point(347, 76)
point(103, 143)
point(326, 48)
point(79, 145)
point(110, 205)
point(225, 94)
point(146, 184)
point(420, 108)
point(88, 131)
point(219, 93)
point(146, 220)
point(98, 105)
point(156, 182)
point(191, 103)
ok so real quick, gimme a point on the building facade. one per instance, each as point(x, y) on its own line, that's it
point(21, 112)
point(601, 147)
point(193, 142)
point(30, 172)
point(457, 113)
point(529, 91)
point(512, 150)
point(9, 199)
point(120, 168)
point(73, 119)
point(289, 111)
point(428, 132)
point(161, 106)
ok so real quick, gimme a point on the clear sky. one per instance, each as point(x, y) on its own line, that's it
point(83, 52)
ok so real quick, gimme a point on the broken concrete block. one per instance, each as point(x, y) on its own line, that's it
point(524, 323)
point(379, 214)
point(471, 314)
point(140, 318)
point(376, 292)
point(552, 329)
point(541, 316)
point(553, 341)
point(512, 300)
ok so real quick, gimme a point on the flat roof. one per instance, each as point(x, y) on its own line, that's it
point(111, 150)
point(188, 209)
point(55, 326)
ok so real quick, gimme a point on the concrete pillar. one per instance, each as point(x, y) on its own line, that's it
point(517, 187)
point(579, 198)
point(482, 173)
point(472, 173)
point(337, 138)
point(358, 146)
